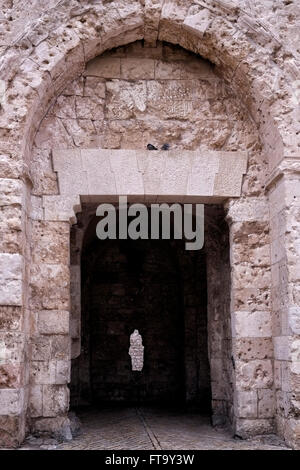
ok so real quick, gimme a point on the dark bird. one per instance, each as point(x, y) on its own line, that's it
point(151, 147)
point(165, 147)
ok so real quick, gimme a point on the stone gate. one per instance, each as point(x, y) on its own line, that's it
point(84, 89)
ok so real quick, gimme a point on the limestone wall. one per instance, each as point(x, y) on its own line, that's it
point(254, 47)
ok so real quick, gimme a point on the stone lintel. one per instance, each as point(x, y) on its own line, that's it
point(101, 175)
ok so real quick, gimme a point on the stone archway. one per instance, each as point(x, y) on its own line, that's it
point(179, 175)
point(114, 306)
point(36, 70)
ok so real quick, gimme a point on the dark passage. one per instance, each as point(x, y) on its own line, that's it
point(159, 289)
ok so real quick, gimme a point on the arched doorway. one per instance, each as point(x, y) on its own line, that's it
point(159, 289)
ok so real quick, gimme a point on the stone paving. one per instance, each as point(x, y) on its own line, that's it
point(151, 428)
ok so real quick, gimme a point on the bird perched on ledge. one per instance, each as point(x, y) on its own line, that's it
point(151, 147)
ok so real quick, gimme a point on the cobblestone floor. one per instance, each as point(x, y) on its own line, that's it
point(148, 429)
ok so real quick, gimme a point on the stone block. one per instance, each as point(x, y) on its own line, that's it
point(247, 276)
point(254, 374)
point(60, 347)
point(75, 272)
point(11, 375)
point(11, 191)
point(294, 319)
point(90, 107)
point(283, 403)
point(94, 87)
point(248, 349)
point(64, 107)
point(11, 279)
point(61, 208)
point(11, 347)
point(251, 299)
point(198, 23)
point(104, 67)
point(52, 134)
point(10, 166)
point(247, 428)
point(11, 401)
point(11, 292)
point(245, 404)
point(58, 427)
point(51, 322)
point(152, 14)
point(128, 179)
point(75, 348)
point(292, 433)
point(43, 372)
point(55, 400)
point(253, 210)
point(12, 242)
point(68, 164)
point(281, 348)
point(12, 430)
point(50, 286)
point(137, 69)
point(63, 372)
point(166, 70)
point(74, 88)
point(126, 99)
point(75, 327)
point(10, 318)
point(100, 177)
point(294, 349)
point(50, 242)
point(10, 218)
point(266, 403)
point(36, 401)
point(36, 212)
point(41, 348)
point(277, 375)
point(251, 324)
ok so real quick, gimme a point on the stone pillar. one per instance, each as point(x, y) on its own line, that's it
point(50, 330)
point(13, 357)
point(284, 199)
point(252, 349)
point(218, 314)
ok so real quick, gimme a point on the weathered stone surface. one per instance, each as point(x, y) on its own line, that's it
point(50, 286)
point(175, 98)
point(10, 279)
point(246, 404)
point(129, 172)
point(36, 401)
point(249, 427)
point(198, 23)
point(53, 322)
point(11, 375)
point(266, 403)
point(55, 400)
point(50, 242)
point(254, 374)
point(104, 68)
point(11, 401)
point(10, 318)
point(11, 430)
point(137, 69)
point(251, 324)
point(253, 348)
